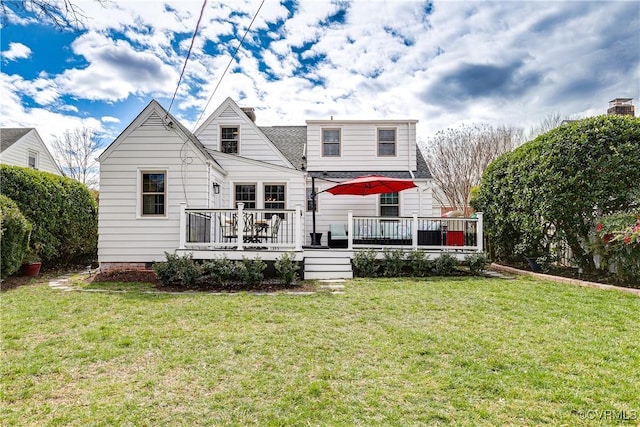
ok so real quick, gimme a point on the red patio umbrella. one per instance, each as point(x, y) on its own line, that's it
point(371, 184)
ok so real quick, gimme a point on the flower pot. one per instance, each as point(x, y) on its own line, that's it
point(31, 269)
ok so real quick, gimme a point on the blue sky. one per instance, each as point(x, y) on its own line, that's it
point(443, 63)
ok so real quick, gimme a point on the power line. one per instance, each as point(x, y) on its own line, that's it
point(195, 32)
point(228, 65)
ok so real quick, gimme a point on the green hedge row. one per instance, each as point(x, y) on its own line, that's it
point(63, 213)
point(14, 236)
point(555, 187)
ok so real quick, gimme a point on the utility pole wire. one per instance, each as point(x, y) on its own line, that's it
point(228, 65)
point(195, 32)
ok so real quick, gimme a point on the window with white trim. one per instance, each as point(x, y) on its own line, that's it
point(389, 204)
point(386, 142)
point(229, 139)
point(32, 159)
point(245, 193)
point(331, 142)
point(154, 193)
point(274, 196)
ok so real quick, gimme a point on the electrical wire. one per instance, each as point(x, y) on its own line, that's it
point(184, 66)
point(228, 65)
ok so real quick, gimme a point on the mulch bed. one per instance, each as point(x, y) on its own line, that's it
point(149, 276)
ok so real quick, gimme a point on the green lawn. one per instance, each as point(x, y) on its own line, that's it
point(468, 351)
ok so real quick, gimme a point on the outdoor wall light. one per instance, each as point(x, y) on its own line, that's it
point(216, 188)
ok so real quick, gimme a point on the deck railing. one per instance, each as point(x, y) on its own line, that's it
point(429, 233)
point(240, 229)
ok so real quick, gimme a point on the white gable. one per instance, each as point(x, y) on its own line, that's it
point(253, 144)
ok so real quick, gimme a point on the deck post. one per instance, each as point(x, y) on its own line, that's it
point(414, 231)
point(480, 232)
point(350, 230)
point(240, 227)
point(297, 227)
point(183, 225)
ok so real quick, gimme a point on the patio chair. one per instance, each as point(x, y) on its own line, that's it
point(274, 228)
point(337, 236)
point(228, 227)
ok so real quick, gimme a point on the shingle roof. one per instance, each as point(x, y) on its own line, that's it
point(290, 140)
point(10, 135)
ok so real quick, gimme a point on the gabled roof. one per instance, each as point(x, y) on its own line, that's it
point(289, 140)
point(8, 136)
point(171, 122)
point(230, 103)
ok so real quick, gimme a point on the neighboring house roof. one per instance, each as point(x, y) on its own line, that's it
point(10, 135)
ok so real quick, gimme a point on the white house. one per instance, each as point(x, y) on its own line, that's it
point(234, 188)
point(24, 147)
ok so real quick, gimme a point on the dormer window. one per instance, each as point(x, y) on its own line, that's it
point(229, 138)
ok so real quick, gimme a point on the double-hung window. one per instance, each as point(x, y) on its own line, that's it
point(245, 193)
point(331, 142)
point(154, 193)
point(386, 142)
point(32, 159)
point(389, 205)
point(274, 197)
point(229, 138)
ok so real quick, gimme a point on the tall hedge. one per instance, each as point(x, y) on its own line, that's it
point(555, 187)
point(14, 236)
point(62, 211)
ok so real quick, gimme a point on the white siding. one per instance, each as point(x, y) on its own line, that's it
point(252, 144)
point(249, 172)
point(124, 236)
point(18, 153)
point(359, 147)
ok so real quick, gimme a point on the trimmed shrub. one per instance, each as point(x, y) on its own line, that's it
point(62, 211)
point(393, 262)
point(177, 268)
point(14, 236)
point(220, 270)
point(553, 188)
point(250, 271)
point(286, 268)
point(445, 264)
point(365, 263)
point(419, 263)
point(476, 262)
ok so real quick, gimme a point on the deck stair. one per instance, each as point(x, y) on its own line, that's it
point(327, 264)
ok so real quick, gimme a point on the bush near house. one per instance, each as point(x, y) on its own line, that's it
point(14, 236)
point(63, 213)
point(554, 187)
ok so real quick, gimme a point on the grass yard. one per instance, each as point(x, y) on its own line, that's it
point(462, 351)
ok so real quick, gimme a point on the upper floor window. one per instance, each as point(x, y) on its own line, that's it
point(389, 204)
point(386, 142)
point(246, 193)
point(229, 137)
point(154, 193)
point(331, 142)
point(32, 159)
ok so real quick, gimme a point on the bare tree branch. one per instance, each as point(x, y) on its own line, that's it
point(63, 14)
point(76, 152)
point(458, 157)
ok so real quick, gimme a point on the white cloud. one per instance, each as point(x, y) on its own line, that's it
point(109, 119)
point(16, 51)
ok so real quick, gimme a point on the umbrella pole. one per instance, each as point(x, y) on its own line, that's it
point(314, 241)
